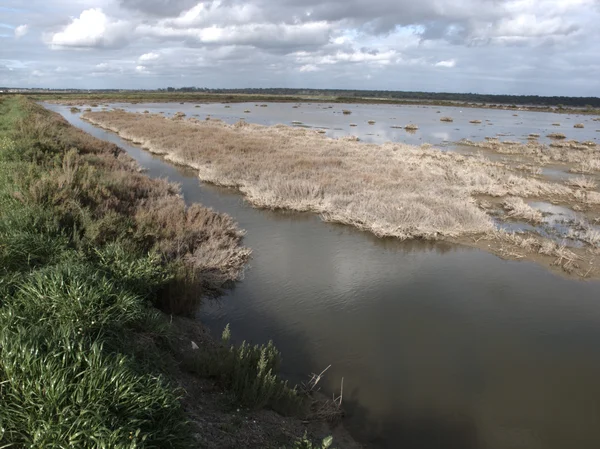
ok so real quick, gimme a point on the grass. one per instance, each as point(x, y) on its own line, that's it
point(475, 121)
point(579, 125)
point(446, 119)
point(391, 190)
point(519, 209)
point(411, 127)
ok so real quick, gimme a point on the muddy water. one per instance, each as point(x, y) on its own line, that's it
point(439, 346)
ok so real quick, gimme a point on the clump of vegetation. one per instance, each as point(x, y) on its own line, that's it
point(346, 112)
point(247, 111)
point(446, 119)
point(475, 121)
point(178, 115)
point(579, 125)
point(411, 127)
point(197, 106)
point(582, 182)
point(555, 124)
point(371, 122)
point(558, 136)
point(264, 105)
point(533, 136)
point(353, 124)
point(517, 208)
point(248, 371)
point(75, 110)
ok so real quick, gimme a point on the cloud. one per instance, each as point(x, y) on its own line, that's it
point(92, 29)
point(380, 44)
point(449, 63)
point(21, 31)
point(309, 68)
point(149, 56)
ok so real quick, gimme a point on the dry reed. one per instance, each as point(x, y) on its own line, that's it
point(391, 189)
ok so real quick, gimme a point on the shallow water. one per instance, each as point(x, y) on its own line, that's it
point(439, 346)
point(431, 130)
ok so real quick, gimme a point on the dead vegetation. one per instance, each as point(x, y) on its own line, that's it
point(519, 209)
point(411, 127)
point(446, 119)
point(579, 125)
point(475, 122)
point(392, 189)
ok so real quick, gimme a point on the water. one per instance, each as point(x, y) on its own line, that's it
point(439, 346)
point(431, 130)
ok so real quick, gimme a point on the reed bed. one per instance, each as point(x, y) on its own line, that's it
point(392, 189)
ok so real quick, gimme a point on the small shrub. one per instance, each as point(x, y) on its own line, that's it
point(411, 127)
point(346, 112)
point(475, 121)
point(446, 119)
point(371, 122)
point(579, 125)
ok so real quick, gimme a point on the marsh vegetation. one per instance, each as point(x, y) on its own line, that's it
point(392, 189)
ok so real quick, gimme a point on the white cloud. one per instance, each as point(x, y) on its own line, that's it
point(309, 68)
point(141, 69)
point(21, 31)
point(149, 56)
point(91, 29)
point(448, 64)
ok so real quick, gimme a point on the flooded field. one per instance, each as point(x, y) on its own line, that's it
point(390, 120)
point(439, 346)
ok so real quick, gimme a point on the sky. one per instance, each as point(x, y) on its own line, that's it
point(541, 47)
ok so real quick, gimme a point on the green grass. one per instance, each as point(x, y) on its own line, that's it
point(73, 310)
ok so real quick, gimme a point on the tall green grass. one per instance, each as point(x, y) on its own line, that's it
point(72, 312)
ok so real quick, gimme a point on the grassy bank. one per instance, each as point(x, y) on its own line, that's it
point(393, 190)
point(95, 259)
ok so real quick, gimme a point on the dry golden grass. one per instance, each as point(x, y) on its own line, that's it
point(411, 127)
point(446, 119)
point(578, 125)
point(519, 209)
point(475, 122)
point(346, 112)
point(391, 189)
point(580, 157)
